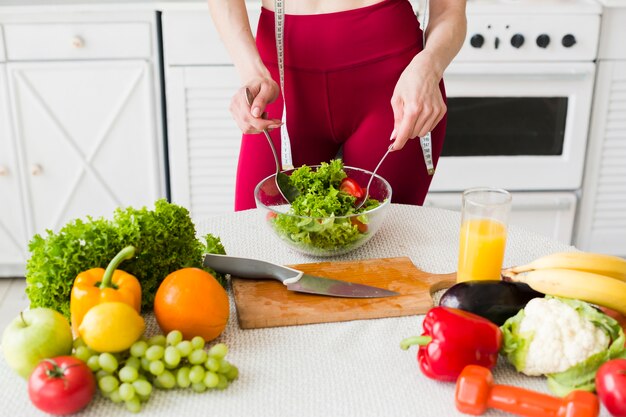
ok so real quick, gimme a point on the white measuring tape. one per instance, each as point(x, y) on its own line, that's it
point(427, 150)
point(426, 141)
point(285, 143)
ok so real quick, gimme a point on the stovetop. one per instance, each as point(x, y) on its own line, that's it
point(531, 31)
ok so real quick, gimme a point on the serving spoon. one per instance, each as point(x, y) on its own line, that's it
point(286, 189)
point(363, 199)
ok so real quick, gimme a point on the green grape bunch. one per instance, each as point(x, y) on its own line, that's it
point(163, 362)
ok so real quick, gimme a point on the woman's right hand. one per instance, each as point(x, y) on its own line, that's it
point(249, 117)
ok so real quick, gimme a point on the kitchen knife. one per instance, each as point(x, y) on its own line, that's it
point(294, 280)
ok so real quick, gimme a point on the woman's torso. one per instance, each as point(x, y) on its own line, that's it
point(319, 6)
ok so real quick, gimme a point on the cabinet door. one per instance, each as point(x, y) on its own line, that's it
point(602, 220)
point(203, 139)
point(12, 226)
point(87, 137)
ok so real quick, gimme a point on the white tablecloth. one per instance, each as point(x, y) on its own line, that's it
point(341, 369)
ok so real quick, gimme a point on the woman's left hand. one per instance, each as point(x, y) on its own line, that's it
point(417, 102)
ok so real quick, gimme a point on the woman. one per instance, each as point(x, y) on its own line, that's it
point(356, 76)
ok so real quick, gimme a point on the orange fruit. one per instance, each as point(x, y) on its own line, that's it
point(192, 301)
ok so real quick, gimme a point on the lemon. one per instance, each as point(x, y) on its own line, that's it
point(111, 327)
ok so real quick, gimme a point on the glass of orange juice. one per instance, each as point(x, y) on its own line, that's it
point(484, 218)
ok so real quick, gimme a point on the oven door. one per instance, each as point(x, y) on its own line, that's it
point(519, 126)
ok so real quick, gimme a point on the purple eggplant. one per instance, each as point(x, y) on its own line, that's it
point(493, 300)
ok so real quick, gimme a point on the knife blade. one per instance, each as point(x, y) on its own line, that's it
point(293, 279)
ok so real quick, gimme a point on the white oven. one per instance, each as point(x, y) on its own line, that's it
point(519, 103)
point(519, 126)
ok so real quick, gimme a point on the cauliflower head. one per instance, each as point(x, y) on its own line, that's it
point(561, 337)
point(567, 340)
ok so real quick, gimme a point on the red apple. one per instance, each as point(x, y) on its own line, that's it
point(611, 386)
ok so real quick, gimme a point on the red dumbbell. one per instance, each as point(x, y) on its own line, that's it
point(476, 392)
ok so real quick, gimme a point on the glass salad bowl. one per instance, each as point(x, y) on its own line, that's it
point(333, 234)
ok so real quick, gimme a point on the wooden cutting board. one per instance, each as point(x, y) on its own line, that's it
point(268, 303)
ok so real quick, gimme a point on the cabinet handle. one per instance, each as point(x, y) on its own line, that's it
point(36, 169)
point(78, 42)
point(4, 171)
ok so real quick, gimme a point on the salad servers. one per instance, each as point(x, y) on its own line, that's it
point(288, 191)
point(363, 199)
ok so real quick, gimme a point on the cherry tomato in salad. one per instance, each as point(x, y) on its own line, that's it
point(611, 386)
point(60, 386)
point(359, 224)
point(350, 186)
point(621, 319)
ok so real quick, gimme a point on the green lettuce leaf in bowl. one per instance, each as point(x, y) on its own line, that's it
point(323, 220)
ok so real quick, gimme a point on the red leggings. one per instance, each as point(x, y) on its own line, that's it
point(340, 72)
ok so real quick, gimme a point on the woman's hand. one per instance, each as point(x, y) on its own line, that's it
point(249, 117)
point(417, 102)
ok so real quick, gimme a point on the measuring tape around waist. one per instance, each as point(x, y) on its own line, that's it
point(285, 143)
point(426, 141)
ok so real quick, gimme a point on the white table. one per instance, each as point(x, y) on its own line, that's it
point(340, 369)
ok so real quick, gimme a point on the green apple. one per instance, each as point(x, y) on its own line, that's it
point(35, 335)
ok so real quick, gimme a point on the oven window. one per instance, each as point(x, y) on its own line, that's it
point(486, 126)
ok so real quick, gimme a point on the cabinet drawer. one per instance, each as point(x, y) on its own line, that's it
point(77, 41)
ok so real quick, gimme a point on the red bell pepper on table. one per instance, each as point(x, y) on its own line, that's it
point(452, 339)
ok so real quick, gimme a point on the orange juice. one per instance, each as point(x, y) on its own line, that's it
point(481, 250)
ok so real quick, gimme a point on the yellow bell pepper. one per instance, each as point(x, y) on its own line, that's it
point(96, 286)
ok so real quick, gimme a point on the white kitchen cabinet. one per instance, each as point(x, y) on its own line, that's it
point(80, 105)
point(2, 53)
point(203, 139)
point(13, 238)
point(601, 225)
point(550, 214)
point(602, 220)
point(86, 136)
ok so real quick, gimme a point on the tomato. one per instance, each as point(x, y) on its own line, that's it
point(621, 319)
point(611, 386)
point(63, 385)
point(350, 186)
point(359, 224)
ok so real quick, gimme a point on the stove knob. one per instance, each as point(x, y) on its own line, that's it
point(477, 41)
point(568, 40)
point(543, 41)
point(517, 40)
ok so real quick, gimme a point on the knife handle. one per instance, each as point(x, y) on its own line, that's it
point(251, 268)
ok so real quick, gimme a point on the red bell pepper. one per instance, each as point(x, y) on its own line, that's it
point(452, 339)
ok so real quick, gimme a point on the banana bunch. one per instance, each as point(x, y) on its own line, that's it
point(595, 278)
